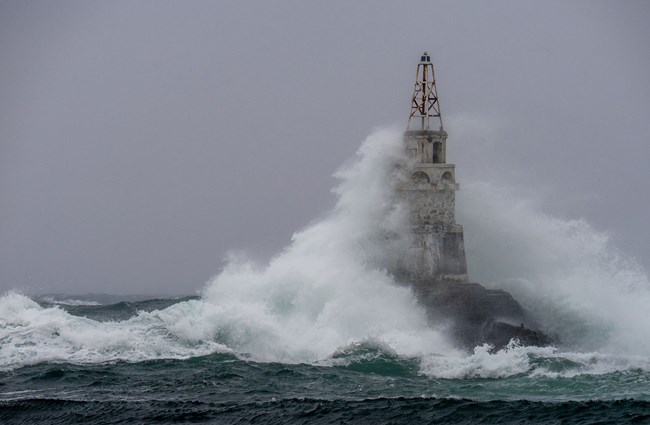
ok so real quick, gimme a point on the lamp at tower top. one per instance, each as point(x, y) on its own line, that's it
point(425, 106)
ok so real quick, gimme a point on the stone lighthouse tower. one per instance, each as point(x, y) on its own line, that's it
point(436, 252)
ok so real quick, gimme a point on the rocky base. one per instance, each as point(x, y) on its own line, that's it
point(476, 315)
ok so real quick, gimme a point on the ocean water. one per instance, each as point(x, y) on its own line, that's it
point(322, 334)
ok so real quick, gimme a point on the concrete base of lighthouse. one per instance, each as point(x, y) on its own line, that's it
point(435, 255)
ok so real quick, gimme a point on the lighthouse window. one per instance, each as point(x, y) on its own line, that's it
point(437, 153)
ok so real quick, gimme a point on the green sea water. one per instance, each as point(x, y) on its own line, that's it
point(321, 333)
point(365, 382)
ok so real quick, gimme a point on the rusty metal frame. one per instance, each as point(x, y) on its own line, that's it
point(425, 103)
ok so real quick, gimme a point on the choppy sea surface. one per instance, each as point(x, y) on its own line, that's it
point(364, 382)
point(322, 334)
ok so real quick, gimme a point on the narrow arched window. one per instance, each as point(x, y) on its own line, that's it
point(437, 153)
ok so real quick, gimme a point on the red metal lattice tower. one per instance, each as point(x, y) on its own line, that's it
point(425, 104)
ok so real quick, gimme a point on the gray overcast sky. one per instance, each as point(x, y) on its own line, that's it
point(141, 140)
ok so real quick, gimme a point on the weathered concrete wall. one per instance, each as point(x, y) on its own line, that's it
point(434, 255)
point(429, 146)
point(437, 250)
point(431, 206)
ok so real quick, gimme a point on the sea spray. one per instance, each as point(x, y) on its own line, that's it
point(328, 293)
point(516, 360)
point(31, 334)
point(573, 281)
point(329, 288)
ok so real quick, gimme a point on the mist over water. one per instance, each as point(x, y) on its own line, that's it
point(327, 295)
point(569, 276)
point(329, 288)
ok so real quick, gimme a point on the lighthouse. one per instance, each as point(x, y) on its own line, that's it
point(436, 250)
point(429, 254)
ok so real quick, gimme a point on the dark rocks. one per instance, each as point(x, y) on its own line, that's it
point(475, 315)
point(499, 334)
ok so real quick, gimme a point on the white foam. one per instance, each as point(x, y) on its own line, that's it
point(31, 334)
point(70, 301)
point(327, 291)
point(575, 283)
point(517, 360)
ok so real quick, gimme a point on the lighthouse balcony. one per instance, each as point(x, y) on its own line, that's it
point(442, 175)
